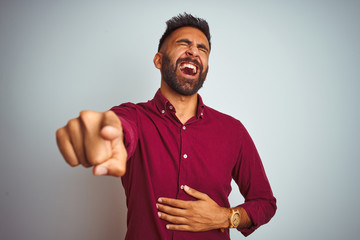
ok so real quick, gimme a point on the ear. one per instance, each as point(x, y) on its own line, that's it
point(158, 60)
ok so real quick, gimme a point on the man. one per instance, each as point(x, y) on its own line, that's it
point(176, 156)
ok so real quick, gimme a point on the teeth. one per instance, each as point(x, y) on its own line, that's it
point(187, 65)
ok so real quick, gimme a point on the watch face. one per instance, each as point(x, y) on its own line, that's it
point(236, 219)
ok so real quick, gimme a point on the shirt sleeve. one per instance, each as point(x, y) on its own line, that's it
point(250, 176)
point(127, 114)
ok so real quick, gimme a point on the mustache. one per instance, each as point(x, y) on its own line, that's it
point(191, 60)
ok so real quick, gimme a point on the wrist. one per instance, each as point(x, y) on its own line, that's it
point(232, 219)
point(223, 218)
point(227, 216)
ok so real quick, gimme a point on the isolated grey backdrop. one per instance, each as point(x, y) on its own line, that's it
point(289, 70)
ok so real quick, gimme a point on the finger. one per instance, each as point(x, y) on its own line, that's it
point(172, 219)
point(97, 149)
point(111, 126)
point(65, 147)
point(171, 210)
point(76, 137)
point(112, 167)
point(116, 165)
point(196, 194)
point(176, 227)
point(174, 202)
point(110, 132)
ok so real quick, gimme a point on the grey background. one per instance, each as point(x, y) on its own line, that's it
point(289, 70)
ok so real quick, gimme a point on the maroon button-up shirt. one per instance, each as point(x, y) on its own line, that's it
point(206, 153)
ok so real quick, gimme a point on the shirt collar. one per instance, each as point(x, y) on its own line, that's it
point(163, 105)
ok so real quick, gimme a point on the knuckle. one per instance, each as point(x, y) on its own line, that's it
point(60, 134)
point(86, 116)
point(179, 221)
point(120, 172)
point(109, 114)
point(72, 126)
point(93, 160)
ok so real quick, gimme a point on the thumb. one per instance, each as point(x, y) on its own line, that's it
point(111, 167)
point(194, 193)
point(116, 165)
point(111, 126)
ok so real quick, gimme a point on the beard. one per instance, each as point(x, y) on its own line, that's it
point(182, 85)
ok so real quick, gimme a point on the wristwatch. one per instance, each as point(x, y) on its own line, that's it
point(234, 218)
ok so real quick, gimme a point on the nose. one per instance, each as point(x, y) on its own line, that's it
point(192, 51)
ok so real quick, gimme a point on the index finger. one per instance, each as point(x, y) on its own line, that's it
point(97, 149)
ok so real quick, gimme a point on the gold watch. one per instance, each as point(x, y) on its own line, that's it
point(234, 218)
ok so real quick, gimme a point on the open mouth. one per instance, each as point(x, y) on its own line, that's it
point(188, 68)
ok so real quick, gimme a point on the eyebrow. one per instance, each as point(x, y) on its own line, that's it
point(200, 45)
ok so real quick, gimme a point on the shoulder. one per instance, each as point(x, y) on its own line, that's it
point(227, 124)
point(223, 117)
point(125, 108)
point(131, 110)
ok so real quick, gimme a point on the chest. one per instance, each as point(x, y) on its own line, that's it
point(199, 154)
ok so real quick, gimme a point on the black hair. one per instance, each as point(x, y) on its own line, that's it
point(185, 20)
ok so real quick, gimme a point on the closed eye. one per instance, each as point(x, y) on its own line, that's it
point(202, 48)
point(183, 42)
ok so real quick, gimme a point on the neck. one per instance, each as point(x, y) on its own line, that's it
point(186, 106)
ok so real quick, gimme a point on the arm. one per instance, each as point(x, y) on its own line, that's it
point(94, 139)
point(250, 176)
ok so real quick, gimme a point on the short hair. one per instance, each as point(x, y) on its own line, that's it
point(185, 20)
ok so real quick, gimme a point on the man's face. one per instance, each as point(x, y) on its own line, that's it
point(185, 57)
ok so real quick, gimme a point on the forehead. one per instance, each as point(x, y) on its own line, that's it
point(190, 33)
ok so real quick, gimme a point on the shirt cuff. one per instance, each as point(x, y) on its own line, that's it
point(129, 137)
point(247, 231)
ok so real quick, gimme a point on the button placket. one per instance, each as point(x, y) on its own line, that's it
point(184, 158)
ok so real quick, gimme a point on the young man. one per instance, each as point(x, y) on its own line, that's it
point(176, 156)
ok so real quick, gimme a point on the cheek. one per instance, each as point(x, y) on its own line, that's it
point(174, 57)
point(177, 52)
point(205, 59)
point(205, 64)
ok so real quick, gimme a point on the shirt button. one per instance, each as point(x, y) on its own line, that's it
point(184, 128)
point(162, 111)
point(171, 107)
point(185, 156)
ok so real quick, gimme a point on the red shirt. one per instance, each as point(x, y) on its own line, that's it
point(206, 153)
